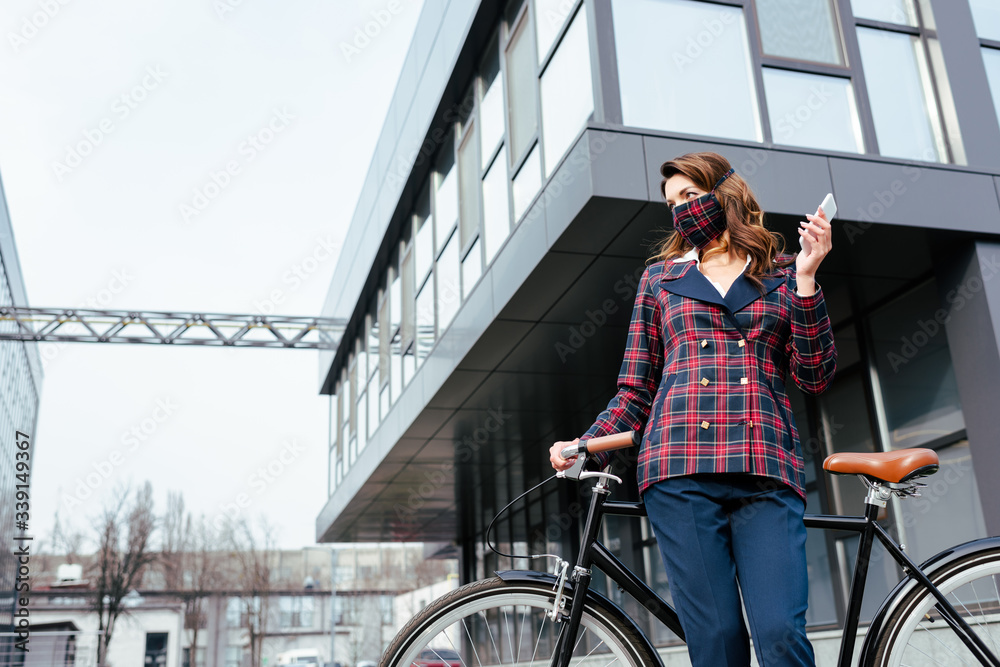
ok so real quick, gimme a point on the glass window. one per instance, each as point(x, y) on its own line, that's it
point(991, 58)
point(383, 400)
point(373, 337)
point(897, 81)
point(567, 92)
point(812, 111)
point(396, 376)
point(448, 286)
point(424, 245)
point(446, 198)
point(491, 108)
point(395, 299)
point(233, 608)
point(663, 43)
point(986, 14)
point(362, 435)
point(383, 344)
point(800, 29)
point(407, 297)
point(550, 15)
point(495, 208)
point(425, 321)
point(373, 408)
point(526, 183)
point(472, 268)
point(930, 520)
point(468, 186)
point(889, 11)
point(915, 373)
point(522, 87)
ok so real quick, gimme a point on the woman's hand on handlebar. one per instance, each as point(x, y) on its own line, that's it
point(555, 454)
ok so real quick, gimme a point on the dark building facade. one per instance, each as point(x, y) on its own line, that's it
point(489, 271)
point(20, 387)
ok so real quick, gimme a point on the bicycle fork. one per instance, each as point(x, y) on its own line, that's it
point(581, 579)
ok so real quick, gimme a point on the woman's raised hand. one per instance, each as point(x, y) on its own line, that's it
point(555, 454)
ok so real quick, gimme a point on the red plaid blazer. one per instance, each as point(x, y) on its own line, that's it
point(694, 388)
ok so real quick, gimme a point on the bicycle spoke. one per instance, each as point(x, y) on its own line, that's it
point(539, 638)
point(524, 619)
point(454, 648)
point(982, 615)
point(472, 642)
point(934, 636)
point(490, 631)
point(510, 638)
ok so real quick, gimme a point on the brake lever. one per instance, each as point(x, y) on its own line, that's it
point(576, 470)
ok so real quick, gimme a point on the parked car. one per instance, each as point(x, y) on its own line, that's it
point(438, 657)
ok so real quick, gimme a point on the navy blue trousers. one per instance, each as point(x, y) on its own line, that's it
point(721, 534)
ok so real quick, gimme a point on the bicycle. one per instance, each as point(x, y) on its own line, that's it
point(523, 617)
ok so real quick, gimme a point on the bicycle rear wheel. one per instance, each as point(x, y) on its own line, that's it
point(916, 634)
point(494, 622)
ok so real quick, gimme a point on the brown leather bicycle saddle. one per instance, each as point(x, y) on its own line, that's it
point(898, 466)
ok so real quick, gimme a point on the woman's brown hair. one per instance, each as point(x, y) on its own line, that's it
point(745, 230)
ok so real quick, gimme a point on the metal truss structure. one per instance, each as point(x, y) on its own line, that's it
point(213, 329)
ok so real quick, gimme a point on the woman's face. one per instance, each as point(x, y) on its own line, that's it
point(679, 189)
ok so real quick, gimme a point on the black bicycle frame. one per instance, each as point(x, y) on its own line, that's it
point(593, 553)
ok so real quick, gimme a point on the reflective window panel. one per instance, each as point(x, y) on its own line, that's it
point(567, 92)
point(800, 29)
point(522, 87)
point(550, 15)
point(468, 186)
point(986, 14)
point(425, 238)
point(812, 111)
point(446, 197)
point(495, 208)
point(491, 124)
point(448, 285)
point(472, 268)
point(888, 11)
point(526, 183)
point(918, 384)
point(991, 58)
point(665, 47)
point(898, 89)
point(425, 321)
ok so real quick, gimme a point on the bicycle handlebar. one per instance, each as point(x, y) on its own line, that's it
point(604, 443)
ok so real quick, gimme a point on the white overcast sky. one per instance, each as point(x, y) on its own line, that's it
point(199, 78)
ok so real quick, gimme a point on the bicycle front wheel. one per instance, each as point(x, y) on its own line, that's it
point(496, 622)
point(917, 635)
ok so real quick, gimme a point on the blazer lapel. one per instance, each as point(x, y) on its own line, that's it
point(684, 279)
point(742, 292)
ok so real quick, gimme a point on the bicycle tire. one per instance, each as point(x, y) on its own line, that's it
point(915, 634)
point(606, 636)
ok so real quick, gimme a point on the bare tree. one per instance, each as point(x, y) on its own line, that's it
point(124, 531)
point(205, 576)
point(252, 551)
point(174, 542)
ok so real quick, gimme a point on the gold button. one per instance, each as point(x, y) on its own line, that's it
point(704, 424)
point(742, 342)
point(744, 381)
point(750, 424)
point(704, 343)
point(704, 382)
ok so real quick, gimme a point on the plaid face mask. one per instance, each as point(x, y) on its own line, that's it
point(701, 220)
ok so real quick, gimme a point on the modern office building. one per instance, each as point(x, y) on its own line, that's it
point(20, 387)
point(489, 271)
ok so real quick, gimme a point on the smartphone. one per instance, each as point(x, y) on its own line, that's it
point(829, 207)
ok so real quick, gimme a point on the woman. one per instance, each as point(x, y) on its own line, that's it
point(720, 316)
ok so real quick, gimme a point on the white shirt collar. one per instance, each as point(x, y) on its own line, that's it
point(692, 254)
